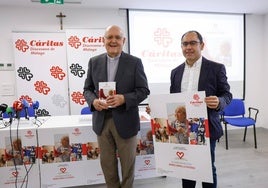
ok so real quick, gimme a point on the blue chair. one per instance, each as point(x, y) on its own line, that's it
point(85, 110)
point(234, 114)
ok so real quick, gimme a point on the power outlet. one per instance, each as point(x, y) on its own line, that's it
point(6, 66)
point(9, 66)
point(2, 66)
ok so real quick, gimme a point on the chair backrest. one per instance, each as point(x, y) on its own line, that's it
point(86, 110)
point(235, 108)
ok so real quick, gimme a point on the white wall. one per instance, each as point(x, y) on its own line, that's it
point(32, 19)
point(29, 19)
point(256, 67)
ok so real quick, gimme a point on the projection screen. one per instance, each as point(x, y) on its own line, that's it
point(155, 36)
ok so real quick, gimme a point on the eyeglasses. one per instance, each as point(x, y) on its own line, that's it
point(110, 37)
point(191, 43)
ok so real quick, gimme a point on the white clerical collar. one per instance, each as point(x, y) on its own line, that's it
point(113, 58)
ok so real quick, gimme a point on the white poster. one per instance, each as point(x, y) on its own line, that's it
point(82, 44)
point(41, 70)
point(145, 159)
point(69, 152)
point(181, 135)
point(19, 166)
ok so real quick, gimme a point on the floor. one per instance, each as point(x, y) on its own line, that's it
point(241, 166)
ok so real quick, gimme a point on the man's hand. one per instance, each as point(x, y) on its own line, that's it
point(212, 102)
point(148, 110)
point(115, 100)
point(100, 105)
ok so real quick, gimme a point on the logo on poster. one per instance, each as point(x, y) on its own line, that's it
point(74, 42)
point(57, 72)
point(21, 45)
point(147, 162)
point(42, 87)
point(77, 132)
point(63, 170)
point(88, 43)
point(15, 174)
point(77, 70)
point(29, 134)
point(196, 100)
point(78, 98)
point(180, 154)
point(162, 37)
point(38, 47)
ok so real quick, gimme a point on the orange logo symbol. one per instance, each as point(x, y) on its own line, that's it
point(21, 45)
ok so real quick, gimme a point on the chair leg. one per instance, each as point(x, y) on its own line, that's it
point(245, 133)
point(226, 136)
point(255, 137)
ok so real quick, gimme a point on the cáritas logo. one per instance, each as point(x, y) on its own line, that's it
point(162, 37)
point(23, 45)
point(85, 42)
point(196, 100)
point(48, 43)
point(29, 134)
point(76, 132)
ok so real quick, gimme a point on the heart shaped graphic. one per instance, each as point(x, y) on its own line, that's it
point(24, 48)
point(147, 162)
point(46, 90)
point(15, 174)
point(61, 76)
point(180, 154)
point(28, 76)
point(80, 73)
point(63, 170)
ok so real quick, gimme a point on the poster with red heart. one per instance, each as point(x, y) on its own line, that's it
point(41, 70)
point(145, 159)
point(19, 166)
point(69, 152)
point(181, 135)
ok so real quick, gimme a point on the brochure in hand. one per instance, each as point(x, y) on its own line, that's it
point(106, 89)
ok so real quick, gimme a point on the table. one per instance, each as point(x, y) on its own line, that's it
point(73, 165)
point(18, 140)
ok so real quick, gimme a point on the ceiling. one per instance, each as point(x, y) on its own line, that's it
point(227, 6)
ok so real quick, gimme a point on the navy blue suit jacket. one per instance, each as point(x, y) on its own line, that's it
point(130, 81)
point(213, 81)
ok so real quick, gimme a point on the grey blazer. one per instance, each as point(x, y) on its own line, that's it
point(213, 81)
point(130, 81)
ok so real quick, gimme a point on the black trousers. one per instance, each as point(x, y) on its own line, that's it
point(191, 184)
